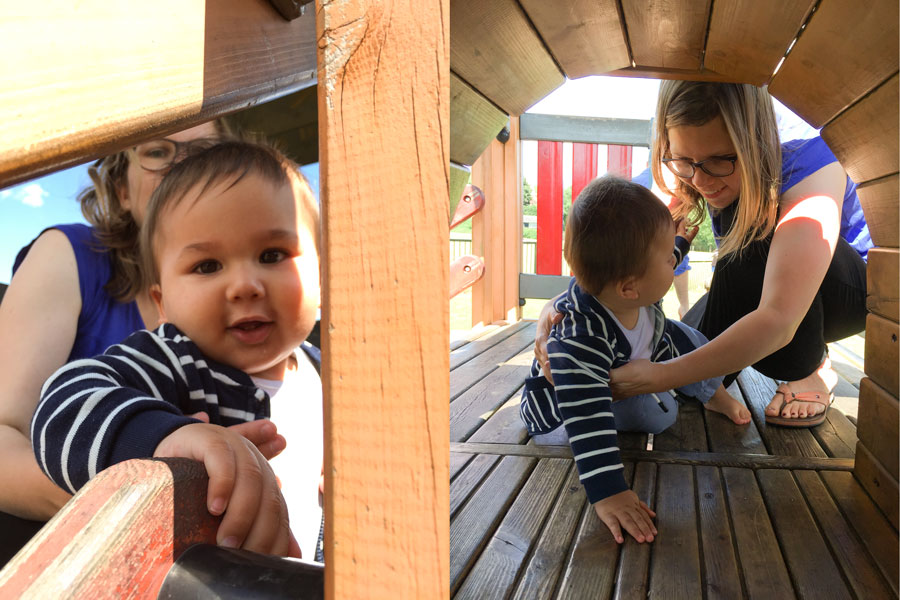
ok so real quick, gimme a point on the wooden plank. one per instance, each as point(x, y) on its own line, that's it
point(385, 356)
point(849, 551)
point(836, 435)
point(505, 426)
point(879, 419)
point(634, 560)
point(878, 482)
point(808, 559)
point(479, 403)
point(495, 49)
point(721, 575)
point(491, 336)
point(675, 563)
point(667, 34)
point(882, 353)
point(538, 581)
point(748, 38)
point(478, 518)
point(833, 65)
point(459, 179)
point(867, 521)
point(725, 436)
point(470, 373)
point(586, 38)
point(758, 391)
point(864, 137)
point(765, 575)
point(494, 574)
point(468, 480)
point(474, 122)
point(882, 288)
point(660, 73)
point(458, 460)
point(291, 122)
point(688, 433)
point(588, 130)
point(82, 81)
point(879, 200)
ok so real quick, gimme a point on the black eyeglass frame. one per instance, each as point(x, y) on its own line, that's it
point(182, 149)
point(694, 165)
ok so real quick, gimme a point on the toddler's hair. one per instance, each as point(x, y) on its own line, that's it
point(609, 231)
point(209, 165)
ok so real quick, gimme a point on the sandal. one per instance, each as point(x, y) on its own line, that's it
point(810, 421)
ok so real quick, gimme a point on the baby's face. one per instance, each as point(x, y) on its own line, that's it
point(239, 273)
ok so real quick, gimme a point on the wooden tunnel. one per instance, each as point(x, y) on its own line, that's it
point(833, 63)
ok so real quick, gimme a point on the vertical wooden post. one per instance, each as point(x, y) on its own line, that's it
point(497, 231)
point(549, 208)
point(618, 161)
point(584, 166)
point(383, 69)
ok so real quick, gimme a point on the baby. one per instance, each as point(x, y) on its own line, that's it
point(230, 246)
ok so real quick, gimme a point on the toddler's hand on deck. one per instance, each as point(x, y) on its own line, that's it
point(626, 511)
point(241, 485)
point(547, 319)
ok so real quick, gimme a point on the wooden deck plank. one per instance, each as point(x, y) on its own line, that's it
point(469, 479)
point(479, 403)
point(721, 574)
point(765, 575)
point(458, 460)
point(675, 563)
point(504, 426)
point(850, 552)
point(687, 433)
point(811, 566)
point(634, 560)
point(539, 580)
point(836, 435)
point(466, 375)
point(458, 339)
point(489, 336)
point(495, 571)
point(477, 519)
point(868, 522)
point(725, 436)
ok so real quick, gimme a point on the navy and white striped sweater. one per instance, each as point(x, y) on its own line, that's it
point(120, 405)
point(583, 347)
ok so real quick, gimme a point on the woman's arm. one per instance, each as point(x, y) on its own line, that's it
point(38, 322)
point(801, 251)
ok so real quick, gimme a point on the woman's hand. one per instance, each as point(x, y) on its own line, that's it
point(547, 319)
point(636, 377)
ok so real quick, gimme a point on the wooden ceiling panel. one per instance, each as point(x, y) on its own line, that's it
point(586, 37)
point(865, 137)
point(474, 122)
point(666, 34)
point(747, 38)
point(880, 201)
point(496, 50)
point(846, 50)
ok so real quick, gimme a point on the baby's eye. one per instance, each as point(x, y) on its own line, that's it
point(207, 267)
point(272, 256)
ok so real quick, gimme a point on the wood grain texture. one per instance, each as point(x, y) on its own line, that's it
point(848, 550)
point(865, 137)
point(688, 433)
point(721, 577)
point(883, 352)
point(469, 479)
point(458, 460)
point(474, 122)
point(833, 65)
point(748, 38)
point(634, 557)
point(806, 554)
point(479, 403)
point(384, 99)
point(880, 200)
point(486, 338)
point(82, 81)
point(505, 426)
point(475, 370)
point(459, 178)
point(586, 38)
point(666, 35)
point(879, 420)
point(725, 436)
point(882, 288)
point(882, 487)
point(118, 537)
point(675, 563)
point(495, 49)
point(494, 574)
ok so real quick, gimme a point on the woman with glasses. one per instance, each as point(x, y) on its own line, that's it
point(791, 273)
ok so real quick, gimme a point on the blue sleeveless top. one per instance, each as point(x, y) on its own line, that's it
point(103, 321)
point(799, 159)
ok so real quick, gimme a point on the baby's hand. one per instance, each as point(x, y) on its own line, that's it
point(241, 485)
point(626, 510)
point(261, 432)
point(688, 233)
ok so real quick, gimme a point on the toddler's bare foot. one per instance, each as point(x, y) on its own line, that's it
point(820, 381)
point(726, 404)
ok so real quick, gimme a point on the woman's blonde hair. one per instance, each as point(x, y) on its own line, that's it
point(114, 226)
point(750, 120)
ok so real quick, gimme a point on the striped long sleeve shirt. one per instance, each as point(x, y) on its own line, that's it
point(120, 405)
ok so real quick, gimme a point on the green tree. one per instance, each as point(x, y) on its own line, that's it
point(527, 193)
point(704, 242)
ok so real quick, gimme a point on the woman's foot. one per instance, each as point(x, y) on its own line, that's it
point(820, 382)
point(726, 404)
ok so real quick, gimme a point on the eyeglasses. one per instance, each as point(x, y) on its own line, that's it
point(159, 155)
point(715, 166)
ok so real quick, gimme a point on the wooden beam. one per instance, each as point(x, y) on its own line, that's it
point(882, 288)
point(384, 102)
point(883, 488)
point(882, 356)
point(474, 122)
point(880, 200)
point(589, 130)
point(83, 80)
point(877, 427)
point(668, 35)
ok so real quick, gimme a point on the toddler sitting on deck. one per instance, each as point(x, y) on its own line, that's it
point(230, 241)
point(619, 244)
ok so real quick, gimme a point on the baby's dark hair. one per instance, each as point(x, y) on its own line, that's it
point(213, 164)
point(609, 232)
